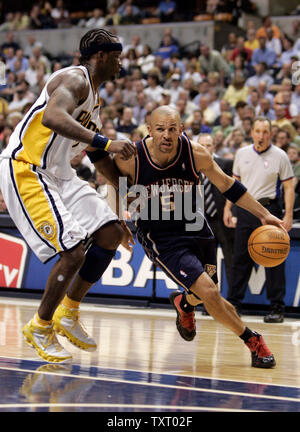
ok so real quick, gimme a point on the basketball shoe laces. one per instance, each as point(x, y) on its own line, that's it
point(74, 314)
point(188, 320)
point(258, 345)
point(50, 338)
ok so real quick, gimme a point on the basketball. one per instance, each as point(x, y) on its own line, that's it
point(269, 245)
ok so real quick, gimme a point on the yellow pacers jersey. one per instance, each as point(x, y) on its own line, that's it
point(34, 143)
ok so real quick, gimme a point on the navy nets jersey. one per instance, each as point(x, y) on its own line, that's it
point(172, 194)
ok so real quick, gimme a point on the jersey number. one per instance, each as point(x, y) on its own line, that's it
point(167, 203)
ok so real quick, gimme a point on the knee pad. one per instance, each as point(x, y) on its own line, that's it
point(97, 259)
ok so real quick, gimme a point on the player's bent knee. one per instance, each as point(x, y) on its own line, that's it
point(74, 258)
point(110, 236)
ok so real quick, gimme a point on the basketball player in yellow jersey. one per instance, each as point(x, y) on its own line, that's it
point(55, 211)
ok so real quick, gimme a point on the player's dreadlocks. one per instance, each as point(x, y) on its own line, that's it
point(99, 36)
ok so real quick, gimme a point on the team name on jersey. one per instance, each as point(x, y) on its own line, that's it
point(84, 119)
point(169, 185)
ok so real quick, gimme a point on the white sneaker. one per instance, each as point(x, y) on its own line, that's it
point(44, 340)
point(67, 323)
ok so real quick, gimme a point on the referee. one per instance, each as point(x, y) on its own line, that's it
point(261, 167)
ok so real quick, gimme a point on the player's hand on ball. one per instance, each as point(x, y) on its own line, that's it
point(273, 220)
point(126, 148)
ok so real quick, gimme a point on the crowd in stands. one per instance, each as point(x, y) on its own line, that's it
point(215, 91)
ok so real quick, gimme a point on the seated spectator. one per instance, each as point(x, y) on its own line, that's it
point(14, 118)
point(30, 45)
point(225, 124)
point(235, 140)
point(129, 60)
point(212, 61)
point(139, 110)
point(8, 24)
point(107, 92)
point(246, 127)
point(24, 62)
point(198, 128)
point(166, 10)
point(241, 50)
point(288, 51)
point(20, 22)
point(22, 96)
point(251, 42)
point(135, 44)
point(281, 120)
point(129, 92)
point(295, 98)
point(41, 59)
point(146, 60)
point(169, 32)
point(191, 72)
point(127, 123)
point(267, 23)
point(282, 139)
point(129, 17)
point(153, 91)
point(181, 106)
point(236, 91)
point(60, 14)
point(167, 49)
point(263, 54)
point(96, 20)
point(175, 87)
point(273, 43)
point(238, 113)
point(134, 9)
point(113, 17)
point(261, 74)
point(174, 63)
point(265, 109)
point(231, 44)
point(9, 43)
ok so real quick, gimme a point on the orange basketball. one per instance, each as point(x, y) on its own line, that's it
point(269, 245)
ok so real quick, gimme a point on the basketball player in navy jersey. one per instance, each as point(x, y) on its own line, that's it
point(166, 159)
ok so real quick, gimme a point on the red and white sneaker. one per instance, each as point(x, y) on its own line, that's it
point(185, 322)
point(260, 353)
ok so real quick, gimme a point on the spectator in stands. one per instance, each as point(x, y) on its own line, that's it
point(24, 62)
point(122, 9)
point(267, 23)
point(60, 14)
point(31, 44)
point(153, 91)
point(174, 63)
point(265, 109)
point(246, 127)
point(288, 50)
point(241, 50)
point(282, 139)
point(129, 92)
point(273, 43)
point(212, 61)
point(261, 74)
point(135, 45)
point(236, 91)
point(127, 123)
point(8, 24)
point(229, 46)
point(139, 110)
point(146, 60)
point(251, 42)
point(166, 10)
point(129, 17)
point(113, 17)
point(226, 124)
point(168, 31)
point(280, 112)
point(96, 20)
point(40, 58)
point(175, 87)
point(22, 96)
point(263, 54)
point(107, 92)
point(167, 49)
point(9, 43)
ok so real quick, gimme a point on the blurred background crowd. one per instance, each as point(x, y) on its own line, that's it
point(219, 91)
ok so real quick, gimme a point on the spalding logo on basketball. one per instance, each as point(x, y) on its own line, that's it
point(269, 245)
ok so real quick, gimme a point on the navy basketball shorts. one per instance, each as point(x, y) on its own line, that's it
point(184, 259)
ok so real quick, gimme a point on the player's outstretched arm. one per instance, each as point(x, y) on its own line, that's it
point(230, 187)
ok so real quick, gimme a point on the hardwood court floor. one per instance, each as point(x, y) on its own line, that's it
point(142, 364)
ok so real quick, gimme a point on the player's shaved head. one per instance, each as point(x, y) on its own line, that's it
point(162, 112)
